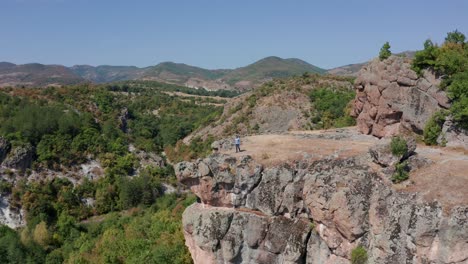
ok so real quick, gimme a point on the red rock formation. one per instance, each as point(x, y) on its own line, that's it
point(391, 97)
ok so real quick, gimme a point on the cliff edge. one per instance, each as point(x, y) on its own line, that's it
point(318, 204)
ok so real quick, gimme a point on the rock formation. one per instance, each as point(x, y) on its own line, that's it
point(5, 147)
point(313, 211)
point(453, 136)
point(20, 158)
point(391, 97)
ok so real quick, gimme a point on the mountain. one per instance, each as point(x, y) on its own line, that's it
point(106, 73)
point(35, 74)
point(187, 75)
point(243, 78)
point(267, 69)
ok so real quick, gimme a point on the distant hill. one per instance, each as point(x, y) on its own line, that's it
point(243, 78)
point(106, 73)
point(353, 69)
point(267, 69)
point(347, 70)
point(35, 74)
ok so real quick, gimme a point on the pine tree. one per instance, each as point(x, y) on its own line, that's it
point(385, 51)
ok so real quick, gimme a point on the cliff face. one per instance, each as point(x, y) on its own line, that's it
point(390, 97)
point(313, 211)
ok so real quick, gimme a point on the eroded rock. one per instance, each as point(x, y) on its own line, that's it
point(315, 212)
point(5, 148)
point(391, 97)
point(20, 158)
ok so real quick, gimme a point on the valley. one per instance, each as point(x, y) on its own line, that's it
point(137, 165)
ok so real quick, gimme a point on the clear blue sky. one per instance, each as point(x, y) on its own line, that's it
point(219, 33)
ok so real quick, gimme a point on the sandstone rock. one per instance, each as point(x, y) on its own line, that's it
point(5, 148)
point(405, 81)
point(399, 97)
point(20, 158)
point(223, 144)
point(382, 153)
point(439, 95)
point(229, 236)
point(150, 159)
point(341, 200)
point(453, 136)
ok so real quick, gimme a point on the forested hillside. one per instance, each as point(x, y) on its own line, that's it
point(73, 217)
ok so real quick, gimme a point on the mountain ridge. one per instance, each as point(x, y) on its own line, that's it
point(242, 78)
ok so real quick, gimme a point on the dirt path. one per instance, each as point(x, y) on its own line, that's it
point(445, 179)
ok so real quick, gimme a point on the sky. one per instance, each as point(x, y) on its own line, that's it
point(219, 33)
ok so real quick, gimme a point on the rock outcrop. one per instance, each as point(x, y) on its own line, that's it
point(10, 217)
point(5, 148)
point(390, 97)
point(312, 211)
point(453, 136)
point(20, 158)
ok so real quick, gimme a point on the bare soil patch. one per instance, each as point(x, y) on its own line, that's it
point(445, 180)
point(312, 145)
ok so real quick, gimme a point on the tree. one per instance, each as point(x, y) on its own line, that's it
point(385, 51)
point(455, 37)
point(41, 235)
point(425, 58)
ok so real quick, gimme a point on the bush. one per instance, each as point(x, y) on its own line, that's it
point(399, 146)
point(359, 255)
point(433, 128)
point(450, 62)
point(458, 92)
point(331, 108)
point(425, 58)
point(401, 172)
point(385, 51)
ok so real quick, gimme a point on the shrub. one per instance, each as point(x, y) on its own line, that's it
point(331, 108)
point(401, 172)
point(433, 128)
point(399, 146)
point(359, 255)
point(385, 51)
point(458, 92)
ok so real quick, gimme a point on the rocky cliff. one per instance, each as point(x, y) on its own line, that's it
point(314, 210)
point(391, 97)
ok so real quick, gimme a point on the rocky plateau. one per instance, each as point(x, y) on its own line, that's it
point(318, 206)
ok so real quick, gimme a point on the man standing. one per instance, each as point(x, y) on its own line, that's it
point(237, 142)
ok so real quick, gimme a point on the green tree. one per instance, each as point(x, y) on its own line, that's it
point(425, 58)
point(455, 37)
point(385, 51)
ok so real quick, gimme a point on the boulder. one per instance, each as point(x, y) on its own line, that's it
point(382, 153)
point(223, 144)
point(452, 135)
